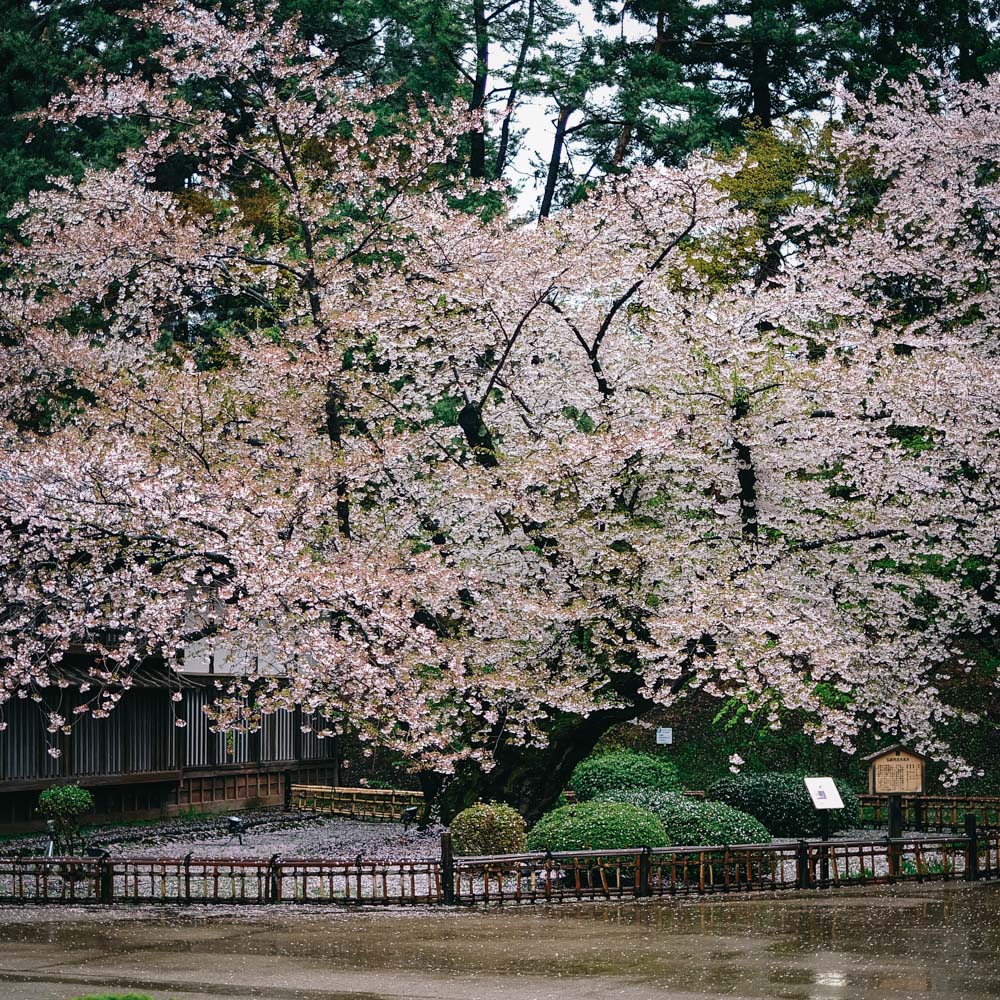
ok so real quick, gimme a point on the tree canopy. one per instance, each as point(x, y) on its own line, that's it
point(280, 377)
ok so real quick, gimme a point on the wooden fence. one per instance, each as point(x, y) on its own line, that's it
point(690, 871)
point(933, 813)
point(359, 803)
point(521, 878)
point(218, 880)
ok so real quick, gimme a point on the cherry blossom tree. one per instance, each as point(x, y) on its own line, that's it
point(477, 490)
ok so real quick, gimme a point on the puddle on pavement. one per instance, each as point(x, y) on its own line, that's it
point(940, 941)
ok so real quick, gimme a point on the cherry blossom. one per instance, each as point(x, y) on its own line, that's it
point(440, 478)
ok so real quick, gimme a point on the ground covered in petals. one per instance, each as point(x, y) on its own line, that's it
point(268, 831)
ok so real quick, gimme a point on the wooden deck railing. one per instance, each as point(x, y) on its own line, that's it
point(520, 878)
point(359, 803)
point(933, 813)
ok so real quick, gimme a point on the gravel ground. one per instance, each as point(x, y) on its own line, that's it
point(268, 831)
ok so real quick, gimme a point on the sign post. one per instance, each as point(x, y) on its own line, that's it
point(664, 736)
point(896, 772)
point(824, 795)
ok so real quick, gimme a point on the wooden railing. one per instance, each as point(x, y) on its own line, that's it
point(399, 882)
point(218, 880)
point(53, 880)
point(358, 803)
point(933, 813)
point(520, 878)
point(687, 871)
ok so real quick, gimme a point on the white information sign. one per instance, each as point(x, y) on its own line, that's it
point(664, 736)
point(824, 793)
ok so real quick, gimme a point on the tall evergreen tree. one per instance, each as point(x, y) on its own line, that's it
point(959, 37)
point(663, 105)
point(41, 46)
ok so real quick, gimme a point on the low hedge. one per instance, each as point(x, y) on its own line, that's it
point(596, 826)
point(488, 828)
point(622, 769)
point(690, 822)
point(780, 801)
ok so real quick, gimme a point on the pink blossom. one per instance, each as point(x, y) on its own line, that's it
point(467, 475)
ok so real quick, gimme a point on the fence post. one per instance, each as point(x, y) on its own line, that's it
point(273, 881)
point(447, 869)
point(895, 833)
point(107, 880)
point(802, 879)
point(971, 848)
point(824, 851)
point(895, 817)
point(187, 877)
point(643, 889)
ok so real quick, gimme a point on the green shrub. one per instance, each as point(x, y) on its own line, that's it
point(780, 801)
point(622, 769)
point(488, 828)
point(596, 826)
point(692, 822)
point(65, 805)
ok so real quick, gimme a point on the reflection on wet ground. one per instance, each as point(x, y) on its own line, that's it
point(940, 941)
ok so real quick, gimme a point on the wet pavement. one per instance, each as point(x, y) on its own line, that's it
point(896, 943)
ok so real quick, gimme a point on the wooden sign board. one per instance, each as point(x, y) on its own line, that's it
point(896, 772)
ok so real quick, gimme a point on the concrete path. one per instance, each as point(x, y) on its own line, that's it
point(902, 943)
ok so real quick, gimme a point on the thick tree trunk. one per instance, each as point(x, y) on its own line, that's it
point(531, 778)
point(769, 265)
point(528, 778)
point(335, 417)
point(478, 435)
point(746, 474)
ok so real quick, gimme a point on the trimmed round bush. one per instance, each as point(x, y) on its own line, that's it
point(780, 801)
point(488, 828)
point(66, 805)
point(690, 822)
point(622, 769)
point(599, 826)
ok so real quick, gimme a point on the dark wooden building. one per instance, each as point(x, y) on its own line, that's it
point(139, 764)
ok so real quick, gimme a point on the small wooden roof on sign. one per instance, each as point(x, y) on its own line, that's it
point(895, 748)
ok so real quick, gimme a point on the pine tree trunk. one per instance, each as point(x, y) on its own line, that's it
point(477, 138)
point(760, 71)
point(554, 160)
point(625, 136)
point(515, 83)
point(968, 56)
